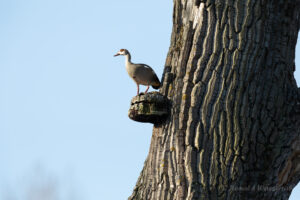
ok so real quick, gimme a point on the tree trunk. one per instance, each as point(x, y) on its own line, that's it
point(233, 130)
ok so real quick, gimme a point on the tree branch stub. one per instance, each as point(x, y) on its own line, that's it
point(151, 107)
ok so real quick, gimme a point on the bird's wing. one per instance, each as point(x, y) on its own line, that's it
point(153, 76)
point(144, 74)
point(146, 68)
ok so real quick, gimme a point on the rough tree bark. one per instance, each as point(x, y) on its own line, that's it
point(233, 131)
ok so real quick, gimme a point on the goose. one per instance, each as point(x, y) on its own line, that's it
point(141, 74)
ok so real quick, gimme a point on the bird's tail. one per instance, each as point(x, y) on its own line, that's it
point(156, 83)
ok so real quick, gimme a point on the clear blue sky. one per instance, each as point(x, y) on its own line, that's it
point(64, 98)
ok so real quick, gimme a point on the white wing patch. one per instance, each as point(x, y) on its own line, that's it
point(147, 66)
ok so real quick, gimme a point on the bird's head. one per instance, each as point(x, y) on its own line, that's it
point(122, 52)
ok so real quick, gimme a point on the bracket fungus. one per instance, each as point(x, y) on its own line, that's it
point(151, 107)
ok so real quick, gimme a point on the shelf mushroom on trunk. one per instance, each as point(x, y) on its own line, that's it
point(152, 107)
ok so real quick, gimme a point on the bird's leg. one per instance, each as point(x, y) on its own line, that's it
point(147, 89)
point(138, 89)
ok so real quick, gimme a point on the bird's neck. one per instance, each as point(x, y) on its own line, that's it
point(127, 58)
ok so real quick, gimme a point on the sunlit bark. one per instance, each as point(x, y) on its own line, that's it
point(233, 132)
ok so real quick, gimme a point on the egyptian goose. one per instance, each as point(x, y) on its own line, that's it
point(142, 74)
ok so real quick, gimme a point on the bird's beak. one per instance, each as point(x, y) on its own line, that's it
point(116, 55)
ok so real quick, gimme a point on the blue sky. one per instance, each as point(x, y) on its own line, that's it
point(64, 97)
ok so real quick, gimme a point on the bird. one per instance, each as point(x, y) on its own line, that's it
point(141, 74)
